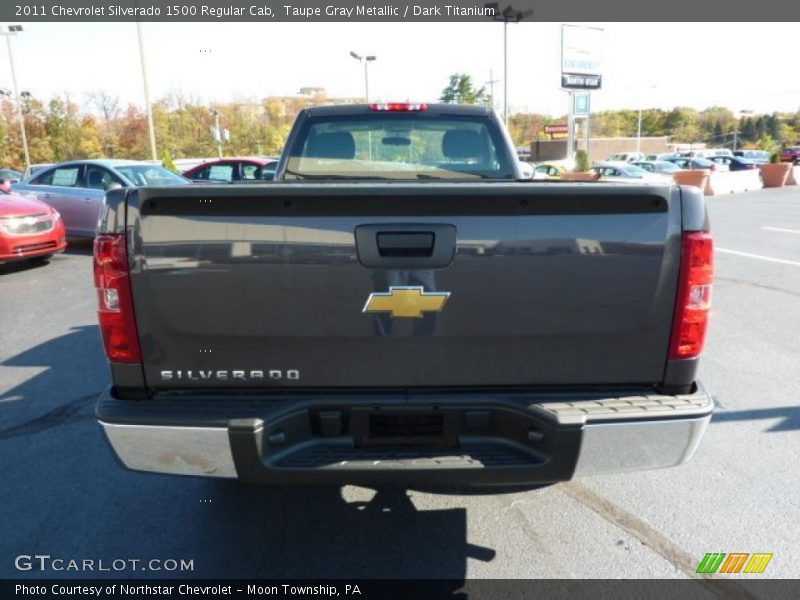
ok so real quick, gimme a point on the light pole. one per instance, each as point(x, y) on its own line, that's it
point(9, 31)
point(148, 106)
point(639, 124)
point(217, 133)
point(366, 60)
point(508, 15)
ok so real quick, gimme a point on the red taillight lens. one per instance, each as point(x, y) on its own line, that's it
point(399, 106)
point(694, 295)
point(114, 300)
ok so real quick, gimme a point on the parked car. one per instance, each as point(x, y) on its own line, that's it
point(10, 175)
point(660, 156)
point(7, 177)
point(697, 162)
point(712, 152)
point(549, 171)
point(622, 170)
point(625, 157)
point(29, 229)
point(657, 166)
point(76, 188)
point(232, 170)
point(32, 169)
point(760, 157)
point(791, 154)
point(734, 163)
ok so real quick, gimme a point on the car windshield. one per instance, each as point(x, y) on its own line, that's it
point(150, 175)
point(634, 170)
point(398, 146)
point(667, 167)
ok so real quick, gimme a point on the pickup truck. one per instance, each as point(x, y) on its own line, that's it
point(399, 307)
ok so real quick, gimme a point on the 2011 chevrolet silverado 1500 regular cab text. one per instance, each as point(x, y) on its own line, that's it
point(399, 307)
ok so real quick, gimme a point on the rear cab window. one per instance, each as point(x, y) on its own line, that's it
point(405, 146)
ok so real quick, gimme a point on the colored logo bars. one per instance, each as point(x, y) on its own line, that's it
point(735, 562)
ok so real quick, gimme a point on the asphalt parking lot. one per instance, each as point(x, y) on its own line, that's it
point(63, 494)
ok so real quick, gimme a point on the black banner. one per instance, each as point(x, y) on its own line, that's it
point(471, 589)
point(580, 82)
point(389, 10)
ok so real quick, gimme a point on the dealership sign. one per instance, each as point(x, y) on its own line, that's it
point(562, 128)
point(580, 57)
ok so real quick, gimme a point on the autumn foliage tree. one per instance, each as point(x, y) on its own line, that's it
point(64, 127)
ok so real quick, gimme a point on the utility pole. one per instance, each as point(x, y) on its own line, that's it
point(148, 105)
point(217, 133)
point(491, 83)
point(8, 32)
point(639, 132)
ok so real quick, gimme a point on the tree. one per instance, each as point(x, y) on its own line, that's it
point(461, 90)
point(109, 109)
point(748, 130)
point(718, 139)
point(683, 124)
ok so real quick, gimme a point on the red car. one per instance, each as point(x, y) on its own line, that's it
point(791, 154)
point(29, 229)
point(234, 170)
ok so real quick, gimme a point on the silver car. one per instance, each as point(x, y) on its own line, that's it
point(76, 188)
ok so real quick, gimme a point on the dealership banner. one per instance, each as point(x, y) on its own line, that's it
point(391, 10)
point(453, 589)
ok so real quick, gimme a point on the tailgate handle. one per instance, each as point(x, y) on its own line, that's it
point(394, 243)
point(406, 245)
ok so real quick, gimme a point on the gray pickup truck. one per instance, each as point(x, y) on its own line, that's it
point(400, 307)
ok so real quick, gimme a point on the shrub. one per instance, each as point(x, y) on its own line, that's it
point(582, 161)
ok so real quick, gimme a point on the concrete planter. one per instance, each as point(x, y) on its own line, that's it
point(695, 177)
point(590, 176)
point(775, 174)
point(794, 176)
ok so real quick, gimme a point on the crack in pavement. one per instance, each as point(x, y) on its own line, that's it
point(757, 284)
point(653, 539)
point(58, 416)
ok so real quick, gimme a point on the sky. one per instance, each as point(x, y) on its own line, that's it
point(644, 64)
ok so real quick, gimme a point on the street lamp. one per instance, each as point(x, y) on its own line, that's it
point(507, 15)
point(9, 31)
point(639, 125)
point(366, 60)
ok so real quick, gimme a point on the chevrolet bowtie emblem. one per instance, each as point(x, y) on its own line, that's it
point(404, 301)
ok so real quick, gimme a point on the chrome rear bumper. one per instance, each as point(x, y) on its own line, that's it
point(599, 436)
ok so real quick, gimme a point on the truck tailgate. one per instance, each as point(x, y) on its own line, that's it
point(267, 285)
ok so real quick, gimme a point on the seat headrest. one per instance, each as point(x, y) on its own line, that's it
point(339, 144)
point(462, 143)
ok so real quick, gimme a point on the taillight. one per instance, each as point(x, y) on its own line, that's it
point(399, 106)
point(114, 300)
point(694, 296)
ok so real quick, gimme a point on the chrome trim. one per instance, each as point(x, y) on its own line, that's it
point(628, 445)
point(204, 451)
point(629, 408)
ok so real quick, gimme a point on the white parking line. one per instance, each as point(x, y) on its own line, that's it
point(782, 261)
point(782, 230)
